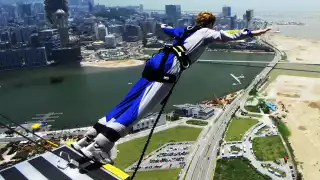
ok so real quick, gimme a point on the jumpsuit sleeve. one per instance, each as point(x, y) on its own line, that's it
point(171, 31)
point(223, 36)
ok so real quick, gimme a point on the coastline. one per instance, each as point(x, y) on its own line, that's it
point(113, 63)
point(299, 93)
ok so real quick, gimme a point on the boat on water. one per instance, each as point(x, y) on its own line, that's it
point(277, 31)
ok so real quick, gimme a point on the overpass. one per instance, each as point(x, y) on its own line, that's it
point(205, 152)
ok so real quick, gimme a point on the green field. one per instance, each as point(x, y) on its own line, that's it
point(197, 122)
point(158, 175)
point(237, 169)
point(130, 151)
point(283, 129)
point(252, 109)
point(238, 127)
point(268, 148)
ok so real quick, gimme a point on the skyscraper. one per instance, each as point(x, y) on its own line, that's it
point(226, 11)
point(62, 25)
point(24, 9)
point(249, 17)
point(173, 13)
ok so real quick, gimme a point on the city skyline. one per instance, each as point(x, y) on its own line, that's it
point(307, 5)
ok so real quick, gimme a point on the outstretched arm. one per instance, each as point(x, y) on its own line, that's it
point(223, 36)
point(172, 32)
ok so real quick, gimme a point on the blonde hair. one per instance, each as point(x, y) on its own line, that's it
point(205, 18)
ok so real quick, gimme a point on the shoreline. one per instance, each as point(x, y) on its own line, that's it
point(299, 93)
point(113, 63)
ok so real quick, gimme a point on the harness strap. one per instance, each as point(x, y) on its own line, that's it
point(179, 51)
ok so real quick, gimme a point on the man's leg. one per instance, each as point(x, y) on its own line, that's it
point(136, 91)
point(118, 127)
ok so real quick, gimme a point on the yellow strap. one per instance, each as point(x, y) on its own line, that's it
point(53, 144)
point(181, 48)
point(175, 50)
point(114, 170)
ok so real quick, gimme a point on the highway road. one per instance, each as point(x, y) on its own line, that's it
point(204, 156)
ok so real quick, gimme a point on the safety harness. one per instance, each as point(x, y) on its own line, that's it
point(159, 75)
point(179, 51)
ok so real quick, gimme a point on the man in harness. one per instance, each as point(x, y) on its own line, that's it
point(160, 74)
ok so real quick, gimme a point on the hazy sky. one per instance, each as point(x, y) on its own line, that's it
point(214, 5)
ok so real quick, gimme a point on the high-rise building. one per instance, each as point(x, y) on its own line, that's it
point(249, 17)
point(116, 29)
point(18, 35)
point(141, 8)
point(226, 11)
point(90, 5)
point(173, 13)
point(149, 26)
point(24, 9)
point(73, 2)
point(102, 32)
point(38, 8)
point(23, 57)
point(62, 25)
point(34, 40)
point(181, 23)
point(233, 22)
point(5, 36)
point(111, 41)
point(133, 33)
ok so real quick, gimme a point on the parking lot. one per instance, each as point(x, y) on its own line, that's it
point(171, 155)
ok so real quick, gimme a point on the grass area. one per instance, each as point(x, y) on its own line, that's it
point(130, 151)
point(283, 129)
point(237, 169)
point(252, 109)
point(171, 174)
point(197, 122)
point(265, 128)
point(268, 148)
point(235, 148)
point(2, 145)
point(238, 127)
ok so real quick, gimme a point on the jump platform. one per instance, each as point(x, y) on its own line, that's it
point(54, 166)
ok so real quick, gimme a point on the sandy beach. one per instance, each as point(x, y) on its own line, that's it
point(113, 63)
point(297, 50)
point(301, 97)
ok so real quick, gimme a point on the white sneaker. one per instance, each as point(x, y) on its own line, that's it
point(81, 143)
point(86, 140)
point(100, 150)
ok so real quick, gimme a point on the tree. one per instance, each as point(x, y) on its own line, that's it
point(262, 104)
point(51, 6)
point(253, 92)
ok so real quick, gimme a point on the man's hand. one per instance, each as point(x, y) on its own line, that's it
point(260, 32)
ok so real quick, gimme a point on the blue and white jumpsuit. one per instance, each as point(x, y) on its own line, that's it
point(145, 95)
